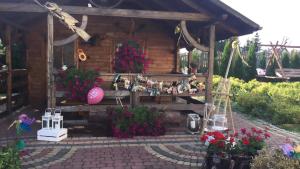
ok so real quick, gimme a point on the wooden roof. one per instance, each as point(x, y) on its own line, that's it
point(228, 21)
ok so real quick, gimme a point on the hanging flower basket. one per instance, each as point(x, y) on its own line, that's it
point(130, 58)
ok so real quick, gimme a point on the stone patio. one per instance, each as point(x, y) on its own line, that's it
point(180, 150)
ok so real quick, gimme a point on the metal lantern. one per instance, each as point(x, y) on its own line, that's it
point(47, 119)
point(193, 123)
point(57, 121)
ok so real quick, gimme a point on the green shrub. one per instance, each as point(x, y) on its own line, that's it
point(278, 103)
point(9, 158)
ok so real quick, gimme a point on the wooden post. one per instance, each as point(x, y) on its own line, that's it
point(209, 85)
point(9, 69)
point(50, 78)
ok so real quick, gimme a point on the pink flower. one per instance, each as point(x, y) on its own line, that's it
point(243, 130)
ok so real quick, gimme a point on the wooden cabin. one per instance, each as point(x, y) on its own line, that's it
point(151, 23)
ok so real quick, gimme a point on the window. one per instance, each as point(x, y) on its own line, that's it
point(64, 55)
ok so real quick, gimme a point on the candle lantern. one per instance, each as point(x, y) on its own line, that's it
point(57, 120)
point(52, 126)
point(193, 123)
point(47, 119)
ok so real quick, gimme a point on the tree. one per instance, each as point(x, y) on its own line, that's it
point(270, 71)
point(218, 47)
point(295, 59)
point(250, 71)
point(262, 61)
point(225, 57)
point(285, 59)
point(237, 67)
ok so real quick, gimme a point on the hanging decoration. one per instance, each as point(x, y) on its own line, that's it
point(65, 18)
point(81, 55)
point(106, 3)
point(95, 95)
point(188, 85)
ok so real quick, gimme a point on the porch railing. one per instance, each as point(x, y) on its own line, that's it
point(134, 98)
point(19, 92)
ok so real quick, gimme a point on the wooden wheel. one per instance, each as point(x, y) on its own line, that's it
point(106, 3)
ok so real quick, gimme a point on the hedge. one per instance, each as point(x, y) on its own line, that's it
point(278, 103)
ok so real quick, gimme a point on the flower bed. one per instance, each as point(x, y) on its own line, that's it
point(140, 121)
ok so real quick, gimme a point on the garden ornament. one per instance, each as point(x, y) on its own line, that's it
point(95, 95)
point(287, 149)
point(66, 19)
point(81, 55)
point(23, 124)
point(64, 67)
point(52, 126)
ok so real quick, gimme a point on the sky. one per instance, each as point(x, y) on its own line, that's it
point(279, 18)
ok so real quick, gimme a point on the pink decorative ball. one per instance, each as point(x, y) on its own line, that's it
point(95, 95)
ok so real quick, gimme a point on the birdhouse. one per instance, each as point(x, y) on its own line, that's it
point(193, 123)
point(52, 126)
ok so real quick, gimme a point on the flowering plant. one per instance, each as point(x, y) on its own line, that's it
point(218, 143)
point(250, 141)
point(78, 82)
point(129, 58)
point(243, 143)
point(139, 121)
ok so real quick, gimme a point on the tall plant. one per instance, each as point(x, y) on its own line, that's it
point(225, 57)
point(295, 59)
point(250, 71)
point(285, 60)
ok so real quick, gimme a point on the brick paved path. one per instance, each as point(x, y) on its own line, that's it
point(170, 151)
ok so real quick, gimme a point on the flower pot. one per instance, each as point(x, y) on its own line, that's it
point(242, 162)
point(215, 162)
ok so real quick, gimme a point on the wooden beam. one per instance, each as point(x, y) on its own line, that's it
point(9, 69)
point(209, 85)
point(51, 100)
point(12, 23)
point(129, 13)
point(193, 42)
point(197, 7)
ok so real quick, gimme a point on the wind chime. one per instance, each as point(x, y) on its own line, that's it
point(215, 113)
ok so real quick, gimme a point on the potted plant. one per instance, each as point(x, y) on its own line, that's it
point(139, 121)
point(130, 58)
point(77, 83)
point(248, 143)
point(219, 147)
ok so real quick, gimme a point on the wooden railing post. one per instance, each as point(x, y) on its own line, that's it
point(51, 100)
point(209, 86)
point(9, 69)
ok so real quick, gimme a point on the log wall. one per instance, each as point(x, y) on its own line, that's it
point(154, 37)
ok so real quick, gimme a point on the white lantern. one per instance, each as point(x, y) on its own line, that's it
point(57, 121)
point(193, 123)
point(52, 126)
point(47, 119)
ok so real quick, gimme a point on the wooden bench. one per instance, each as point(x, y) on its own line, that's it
point(288, 73)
